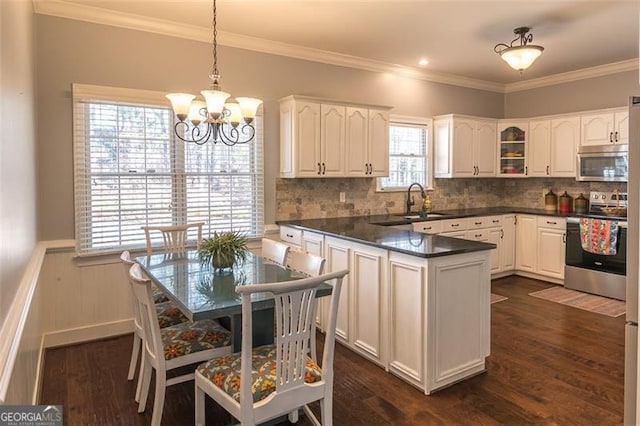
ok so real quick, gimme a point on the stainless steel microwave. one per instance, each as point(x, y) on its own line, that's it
point(603, 163)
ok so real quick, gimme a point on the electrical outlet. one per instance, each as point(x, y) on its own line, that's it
point(343, 197)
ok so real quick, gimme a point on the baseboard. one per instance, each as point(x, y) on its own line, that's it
point(539, 277)
point(85, 334)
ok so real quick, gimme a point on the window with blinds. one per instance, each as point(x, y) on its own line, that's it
point(131, 171)
point(408, 157)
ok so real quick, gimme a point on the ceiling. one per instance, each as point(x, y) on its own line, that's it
point(456, 36)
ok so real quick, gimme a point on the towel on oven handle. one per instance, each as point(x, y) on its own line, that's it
point(599, 236)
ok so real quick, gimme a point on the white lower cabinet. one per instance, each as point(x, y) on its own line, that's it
point(458, 311)
point(508, 249)
point(368, 281)
point(526, 252)
point(551, 246)
point(337, 253)
point(540, 246)
point(407, 284)
point(362, 307)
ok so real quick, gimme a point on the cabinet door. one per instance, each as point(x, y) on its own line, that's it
point(526, 227)
point(367, 280)
point(357, 141)
point(463, 142)
point(597, 129)
point(565, 138)
point(513, 148)
point(508, 249)
point(442, 162)
point(551, 252)
point(378, 143)
point(406, 318)
point(338, 254)
point(495, 236)
point(485, 148)
point(539, 156)
point(314, 243)
point(307, 138)
point(621, 127)
point(332, 137)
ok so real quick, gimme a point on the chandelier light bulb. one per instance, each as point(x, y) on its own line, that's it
point(181, 103)
point(196, 112)
point(249, 107)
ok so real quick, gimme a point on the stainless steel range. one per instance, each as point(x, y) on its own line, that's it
point(602, 274)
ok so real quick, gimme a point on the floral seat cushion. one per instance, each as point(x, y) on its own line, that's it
point(158, 295)
point(190, 337)
point(169, 314)
point(224, 372)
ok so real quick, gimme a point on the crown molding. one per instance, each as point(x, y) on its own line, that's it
point(97, 15)
point(567, 77)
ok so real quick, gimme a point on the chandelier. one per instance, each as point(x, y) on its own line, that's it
point(519, 57)
point(219, 118)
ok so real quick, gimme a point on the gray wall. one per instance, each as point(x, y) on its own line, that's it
point(17, 151)
point(77, 52)
point(594, 93)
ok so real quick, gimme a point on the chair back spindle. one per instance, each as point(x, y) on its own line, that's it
point(174, 238)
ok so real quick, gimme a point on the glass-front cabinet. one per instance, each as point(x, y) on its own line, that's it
point(513, 145)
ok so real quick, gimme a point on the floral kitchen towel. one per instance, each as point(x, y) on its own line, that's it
point(599, 236)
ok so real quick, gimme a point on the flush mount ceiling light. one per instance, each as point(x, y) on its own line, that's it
point(519, 57)
point(218, 118)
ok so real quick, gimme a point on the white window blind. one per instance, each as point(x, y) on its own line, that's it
point(131, 171)
point(408, 156)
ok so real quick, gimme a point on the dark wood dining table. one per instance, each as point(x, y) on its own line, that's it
point(202, 293)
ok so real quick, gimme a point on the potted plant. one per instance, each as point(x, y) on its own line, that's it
point(224, 249)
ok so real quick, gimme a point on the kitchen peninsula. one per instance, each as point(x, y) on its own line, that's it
point(416, 304)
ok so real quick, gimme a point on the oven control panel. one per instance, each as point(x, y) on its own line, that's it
point(608, 199)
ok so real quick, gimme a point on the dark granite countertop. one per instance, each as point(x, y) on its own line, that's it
point(361, 230)
point(377, 230)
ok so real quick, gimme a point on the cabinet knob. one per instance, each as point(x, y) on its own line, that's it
point(551, 223)
point(319, 170)
point(616, 137)
point(611, 137)
point(547, 170)
point(323, 168)
point(290, 235)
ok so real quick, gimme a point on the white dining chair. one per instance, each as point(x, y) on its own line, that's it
point(168, 315)
point(312, 265)
point(174, 237)
point(275, 379)
point(274, 251)
point(171, 347)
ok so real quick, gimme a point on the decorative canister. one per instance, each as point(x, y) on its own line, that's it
point(581, 204)
point(551, 201)
point(566, 203)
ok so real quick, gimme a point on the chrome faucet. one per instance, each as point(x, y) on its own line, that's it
point(410, 199)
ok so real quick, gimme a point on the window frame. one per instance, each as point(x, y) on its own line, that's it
point(83, 94)
point(412, 121)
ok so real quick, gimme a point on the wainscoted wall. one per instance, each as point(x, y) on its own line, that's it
point(318, 198)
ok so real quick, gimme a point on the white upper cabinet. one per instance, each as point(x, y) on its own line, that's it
point(464, 147)
point(332, 139)
point(539, 148)
point(378, 153)
point(565, 139)
point(605, 127)
point(552, 147)
point(513, 147)
point(367, 142)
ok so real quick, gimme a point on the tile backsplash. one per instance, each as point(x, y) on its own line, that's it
point(319, 198)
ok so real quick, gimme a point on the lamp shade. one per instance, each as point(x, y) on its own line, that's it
point(521, 57)
point(195, 112)
point(180, 102)
point(215, 100)
point(235, 113)
point(249, 107)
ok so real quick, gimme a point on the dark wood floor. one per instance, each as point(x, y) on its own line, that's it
point(549, 364)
